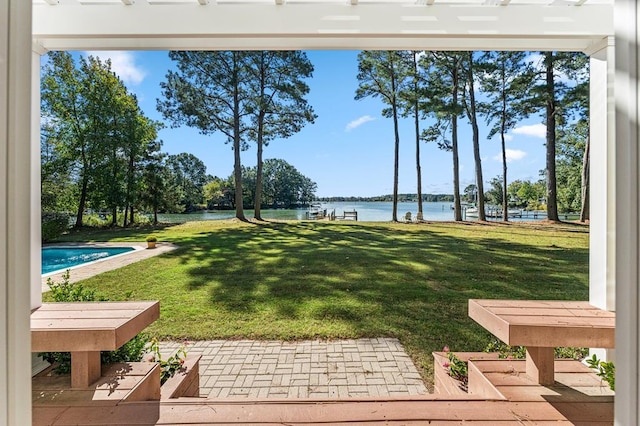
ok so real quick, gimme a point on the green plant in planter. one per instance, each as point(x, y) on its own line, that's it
point(604, 369)
point(456, 368)
point(170, 366)
point(151, 241)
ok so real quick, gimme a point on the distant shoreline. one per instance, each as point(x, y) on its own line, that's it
point(402, 198)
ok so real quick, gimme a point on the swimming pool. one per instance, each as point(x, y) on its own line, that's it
point(61, 258)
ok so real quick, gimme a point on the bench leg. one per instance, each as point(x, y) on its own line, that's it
point(540, 365)
point(85, 368)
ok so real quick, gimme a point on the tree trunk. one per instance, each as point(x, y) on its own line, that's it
point(457, 211)
point(476, 140)
point(83, 201)
point(129, 195)
point(416, 114)
point(395, 162)
point(258, 195)
point(396, 132)
point(503, 131)
point(552, 196)
point(237, 165)
point(505, 196)
point(126, 213)
point(584, 211)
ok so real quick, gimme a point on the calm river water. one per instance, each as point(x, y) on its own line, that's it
point(367, 211)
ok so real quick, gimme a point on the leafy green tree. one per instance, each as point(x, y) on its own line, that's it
point(153, 191)
point(209, 92)
point(527, 194)
point(64, 109)
point(214, 194)
point(495, 193)
point(571, 145)
point(189, 174)
point(89, 112)
point(506, 79)
point(280, 108)
point(284, 185)
point(445, 82)
point(58, 191)
point(383, 74)
point(141, 135)
point(560, 77)
point(470, 192)
point(111, 105)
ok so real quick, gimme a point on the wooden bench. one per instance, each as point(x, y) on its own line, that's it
point(542, 326)
point(85, 329)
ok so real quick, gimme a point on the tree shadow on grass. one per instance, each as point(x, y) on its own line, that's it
point(374, 280)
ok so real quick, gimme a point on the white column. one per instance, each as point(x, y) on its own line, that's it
point(602, 182)
point(36, 227)
point(627, 229)
point(15, 222)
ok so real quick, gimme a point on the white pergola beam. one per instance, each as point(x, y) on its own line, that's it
point(320, 26)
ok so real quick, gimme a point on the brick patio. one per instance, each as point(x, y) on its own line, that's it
point(306, 369)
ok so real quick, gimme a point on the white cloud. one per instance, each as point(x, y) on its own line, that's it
point(512, 155)
point(358, 122)
point(123, 64)
point(508, 137)
point(536, 130)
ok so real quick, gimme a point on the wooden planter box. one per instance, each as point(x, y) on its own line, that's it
point(446, 385)
point(185, 382)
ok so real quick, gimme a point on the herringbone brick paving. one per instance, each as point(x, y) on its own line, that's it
point(307, 369)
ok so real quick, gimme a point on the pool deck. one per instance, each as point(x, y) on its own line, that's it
point(88, 270)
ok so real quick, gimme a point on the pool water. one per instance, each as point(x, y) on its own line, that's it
point(61, 258)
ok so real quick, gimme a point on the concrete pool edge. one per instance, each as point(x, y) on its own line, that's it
point(87, 270)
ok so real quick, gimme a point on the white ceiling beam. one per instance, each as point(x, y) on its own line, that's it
point(203, 2)
point(52, 2)
point(279, 2)
point(321, 26)
point(128, 2)
point(353, 2)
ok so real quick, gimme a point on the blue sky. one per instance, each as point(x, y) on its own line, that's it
point(349, 149)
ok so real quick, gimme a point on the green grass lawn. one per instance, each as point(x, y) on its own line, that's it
point(328, 280)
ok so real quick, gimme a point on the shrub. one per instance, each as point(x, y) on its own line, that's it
point(64, 291)
point(95, 221)
point(520, 352)
point(53, 225)
point(152, 239)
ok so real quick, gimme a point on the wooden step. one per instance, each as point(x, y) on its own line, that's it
point(426, 410)
point(132, 381)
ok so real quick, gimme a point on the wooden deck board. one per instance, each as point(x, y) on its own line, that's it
point(362, 412)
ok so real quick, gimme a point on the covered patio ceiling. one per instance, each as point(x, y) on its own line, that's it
point(579, 25)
